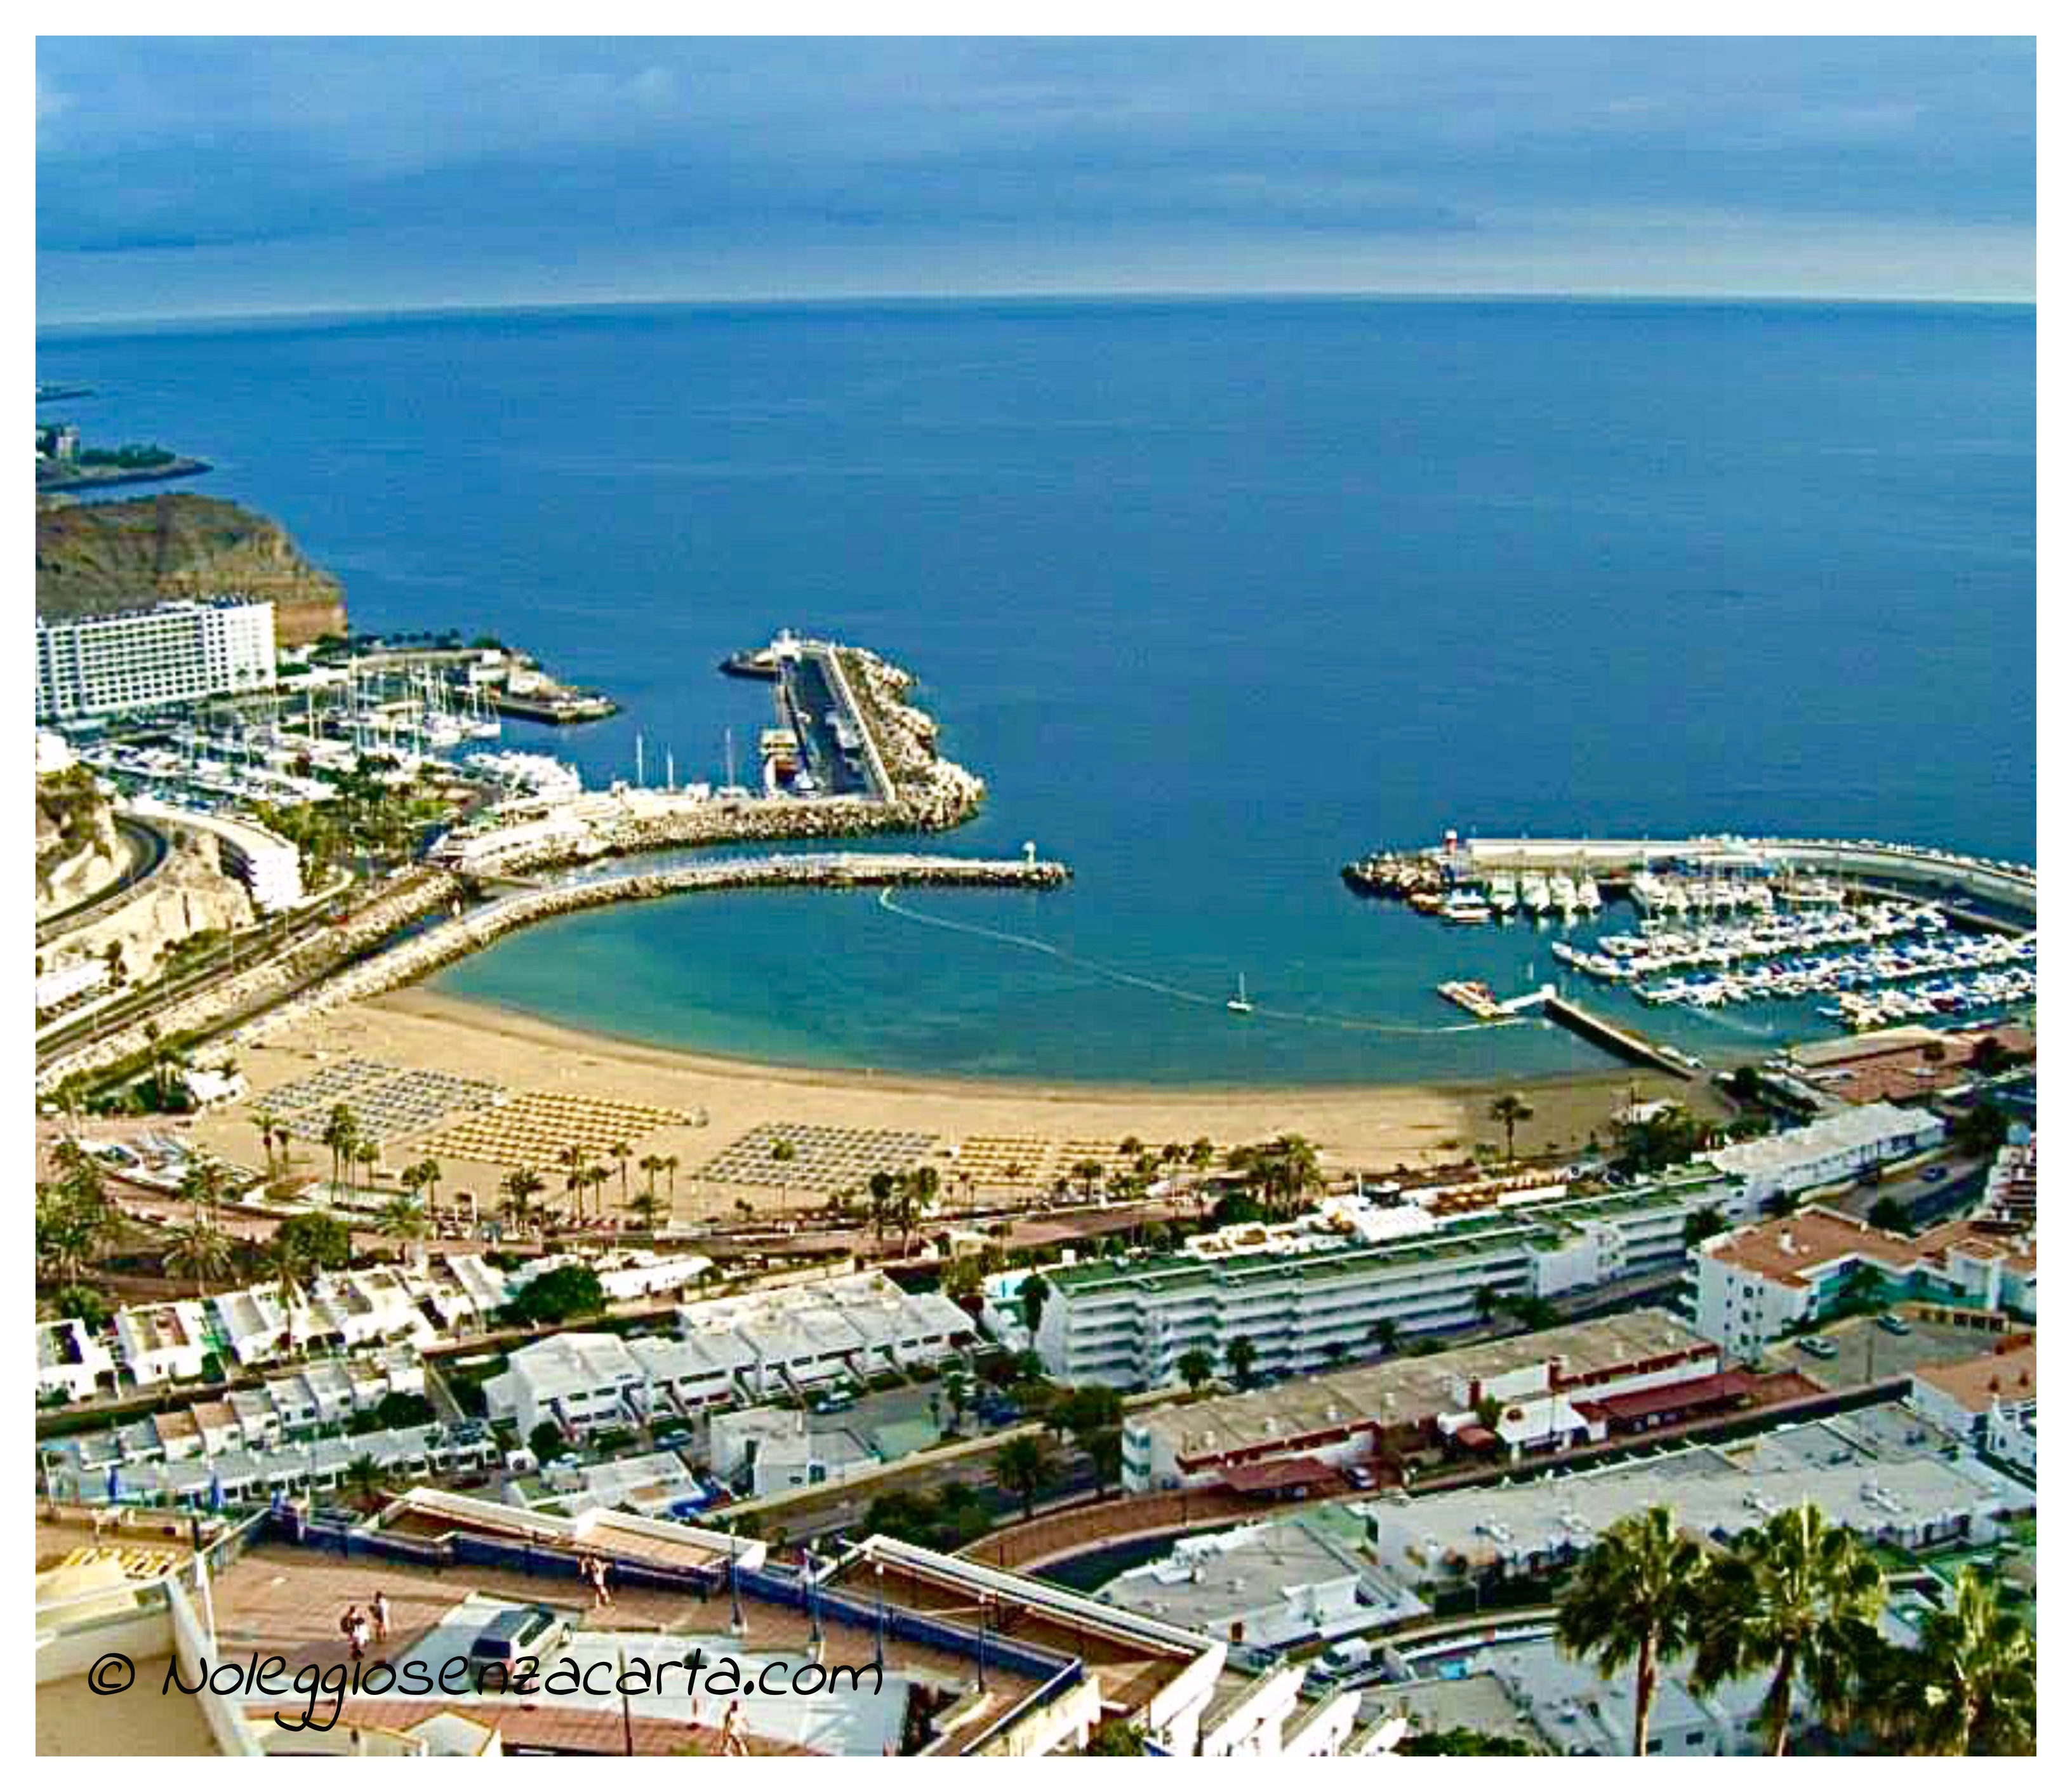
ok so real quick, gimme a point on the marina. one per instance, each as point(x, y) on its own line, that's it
point(1873, 933)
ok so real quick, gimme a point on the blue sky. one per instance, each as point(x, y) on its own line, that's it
point(196, 177)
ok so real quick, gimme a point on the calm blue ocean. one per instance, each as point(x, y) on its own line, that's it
point(1215, 596)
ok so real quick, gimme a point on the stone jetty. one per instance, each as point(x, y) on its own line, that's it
point(427, 952)
point(915, 789)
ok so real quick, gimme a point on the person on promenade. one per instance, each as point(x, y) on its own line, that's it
point(380, 1610)
point(731, 1740)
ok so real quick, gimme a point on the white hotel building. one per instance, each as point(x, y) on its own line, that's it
point(139, 659)
point(1306, 1301)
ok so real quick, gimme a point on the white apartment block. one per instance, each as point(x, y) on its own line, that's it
point(71, 1358)
point(772, 1342)
point(775, 1450)
point(1832, 1150)
point(165, 1342)
point(578, 1381)
point(172, 652)
point(269, 867)
point(1306, 1305)
point(1983, 1397)
point(1755, 1284)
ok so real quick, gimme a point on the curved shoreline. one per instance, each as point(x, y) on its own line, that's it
point(1373, 1127)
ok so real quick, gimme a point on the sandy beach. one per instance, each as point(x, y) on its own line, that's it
point(1371, 1128)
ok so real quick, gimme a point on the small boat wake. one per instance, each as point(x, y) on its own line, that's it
point(1026, 942)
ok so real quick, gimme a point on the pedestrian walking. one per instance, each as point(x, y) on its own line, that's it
point(381, 1609)
point(603, 1587)
point(731, 1740)
point(357, 1637)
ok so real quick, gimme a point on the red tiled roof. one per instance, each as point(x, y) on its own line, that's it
point(1283, 1472)
point(1706, 1390)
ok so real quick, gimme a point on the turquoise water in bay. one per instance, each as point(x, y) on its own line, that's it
point(1215, 596)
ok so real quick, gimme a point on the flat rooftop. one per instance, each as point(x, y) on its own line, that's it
point(1405, 1389)
point(1709, 1490)
point(285, 1600)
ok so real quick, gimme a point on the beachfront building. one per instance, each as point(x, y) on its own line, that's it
point(854, 1325)
point(1992, 1394)
point(269, 867)
point(1553, 1388)
point(173, 652)
point(1832, 1150)
point(1756, 1283)
point(71, 1361)
point(260, 1325)
point(623, 1275)
point(1308, 1300)
point(167, 1341)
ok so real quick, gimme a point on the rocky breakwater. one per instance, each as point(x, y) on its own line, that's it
point(933, 792)
point(916, 790)
point(441, 945)
point(307, 955)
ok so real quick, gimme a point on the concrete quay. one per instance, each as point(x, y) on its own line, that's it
point(1926, 868)
point(914, 790)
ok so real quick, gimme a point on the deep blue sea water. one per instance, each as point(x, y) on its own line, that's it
point(1216, 595)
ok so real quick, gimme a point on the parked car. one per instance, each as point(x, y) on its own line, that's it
point(1821, 1347)
point(1361, 1478)
point(840, 1400)
point(513, 1645)
point(1935, 1173)
point(1892, 1322)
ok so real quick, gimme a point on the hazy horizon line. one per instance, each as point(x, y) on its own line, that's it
point(1108, 295)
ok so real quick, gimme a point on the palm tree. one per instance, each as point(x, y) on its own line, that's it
point(650, 1167)
point(402, 1219)
point(518, 1188)
point(595, 1178)
point(646, 1206)
point(341, 1134)
point(1201, 1154)
point(1196, 1367)
point(1800, 1597)
point(367, 1486)
point(1025, 1464)
point(783, 1154)
point(1242, 1355)
point(207, 1182)
point(882, 1186)
point(623, 1152)
point(201, 1249)
point(1386, 1333)
point(262, 1119)
point(1508, 1111)
point(671, 1165)
point(367, 1157)
point(1635, 1598)
point(1969, 1687)
point(430, 1171)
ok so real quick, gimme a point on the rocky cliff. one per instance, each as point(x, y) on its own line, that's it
point(78, 852)
point(92, 558)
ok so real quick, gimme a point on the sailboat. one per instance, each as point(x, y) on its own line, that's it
point(1241, 1003)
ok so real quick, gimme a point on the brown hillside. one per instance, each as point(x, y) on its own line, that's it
point(92, 558)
